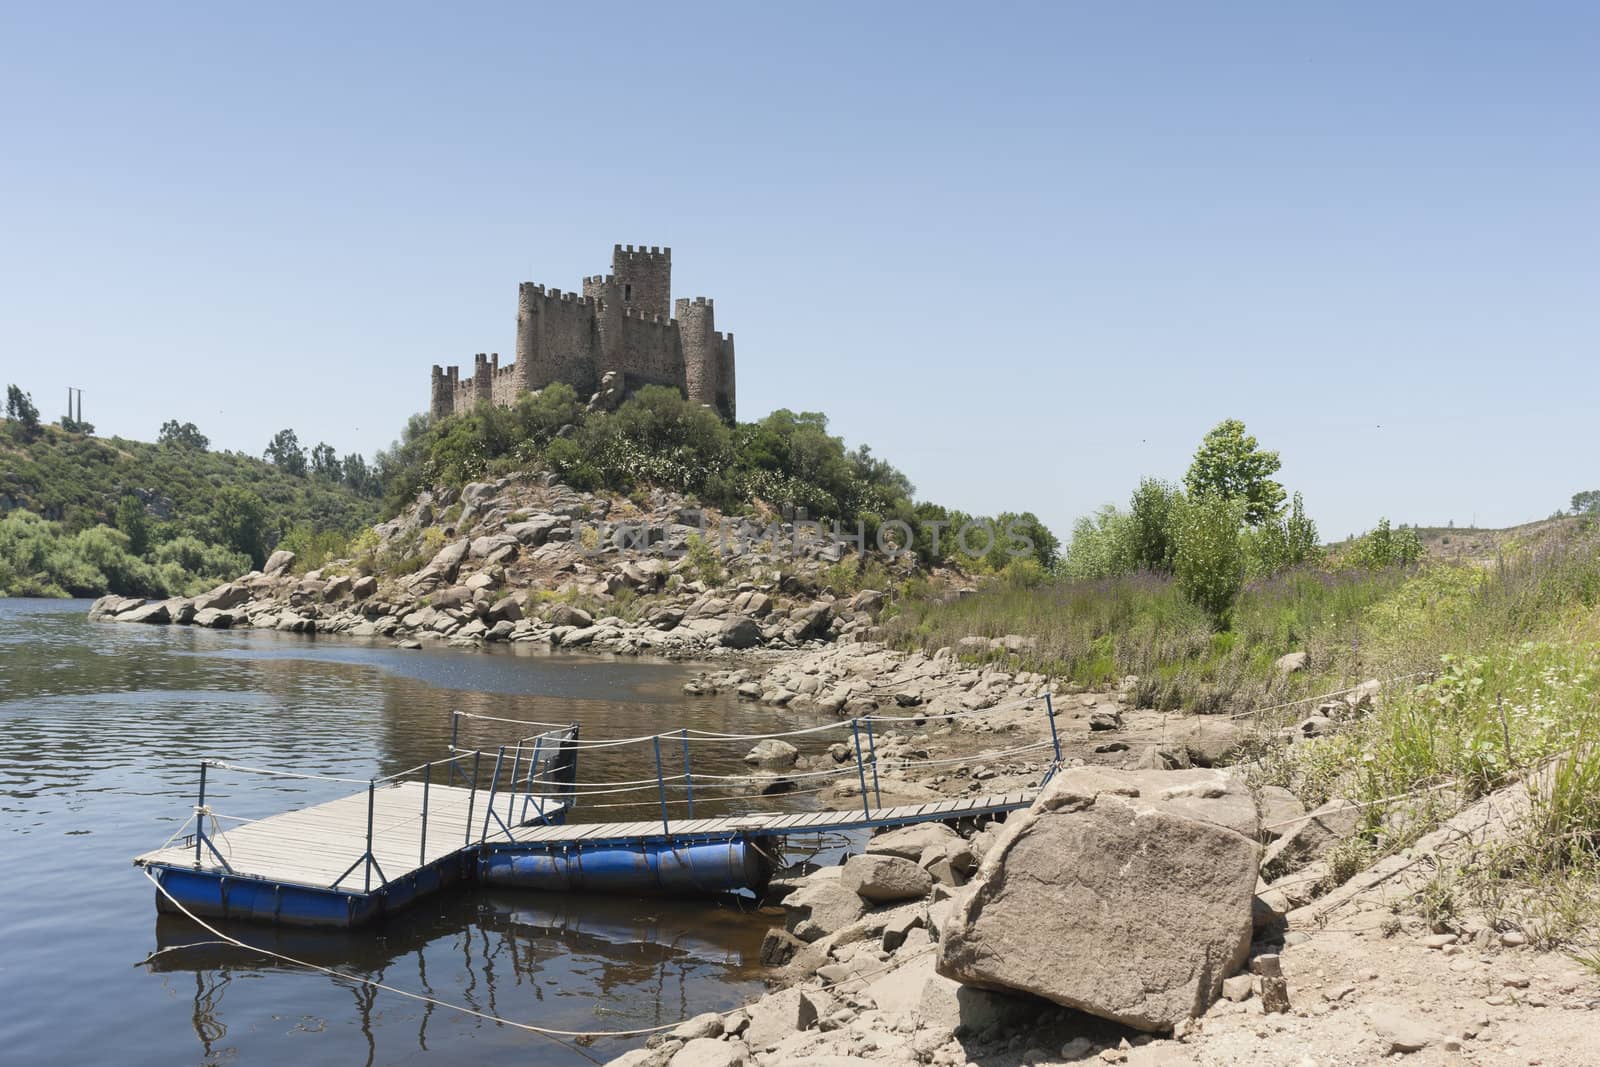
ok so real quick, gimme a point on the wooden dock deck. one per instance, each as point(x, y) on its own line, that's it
point(314, 846)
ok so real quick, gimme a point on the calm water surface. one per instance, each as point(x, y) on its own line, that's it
point(101, 726)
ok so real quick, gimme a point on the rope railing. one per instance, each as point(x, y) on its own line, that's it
point(537, 772)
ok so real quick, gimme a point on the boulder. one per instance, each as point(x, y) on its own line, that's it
point(152, 613)
point(778, 947)
point(823, 906)
point(706, 1024)
point(568, 615)
point(492, 545)
point(1112, 896)
point(777, 1015)
point(448, 559)
point(1207, 740)
point(773, 753)
point(364, 587)
point(1105, 719)
point(214, 618)
point(506, 609)
point(336, 587)
point(948, 1006)
point(1280, 809)
point(1305, 840)
point(278, 563)
point(885, 879)
point(741, 631)
point(111, 604)
point(225, 596)
point(909, 842)
point(1292, 663)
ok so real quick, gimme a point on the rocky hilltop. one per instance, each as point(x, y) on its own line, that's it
point(530, 559)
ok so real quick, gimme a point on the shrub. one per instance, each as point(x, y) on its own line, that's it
point(1149, 533)
point(1100, 546)
point(1208, 557)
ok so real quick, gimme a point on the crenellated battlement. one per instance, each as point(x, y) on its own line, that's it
point(621, 322)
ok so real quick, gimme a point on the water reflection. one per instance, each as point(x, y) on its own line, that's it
point(635, 963)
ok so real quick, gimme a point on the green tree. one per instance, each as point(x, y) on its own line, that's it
point(1099, 546)
point(131, 520)
point(183, 435)
point(1208, 557)
point(325, 463)
point(1230, 463)
point(1586, 502)
point(285, 453)
point(239, 521)
point(20, 409)
point(1150, 526)
point(358, 476)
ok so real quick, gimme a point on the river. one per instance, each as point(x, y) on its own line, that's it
point(101, 729)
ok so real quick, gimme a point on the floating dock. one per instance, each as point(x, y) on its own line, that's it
point(348, 861)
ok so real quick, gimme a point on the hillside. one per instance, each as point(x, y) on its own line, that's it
point(84, 515)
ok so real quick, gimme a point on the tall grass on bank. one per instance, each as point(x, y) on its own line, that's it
point(1354, 623)
point(1095, 632)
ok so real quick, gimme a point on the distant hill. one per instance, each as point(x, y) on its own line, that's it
point(86, 515)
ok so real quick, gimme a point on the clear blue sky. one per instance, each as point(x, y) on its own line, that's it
point(1027, 252)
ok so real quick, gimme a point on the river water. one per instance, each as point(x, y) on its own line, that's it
point(101, 728)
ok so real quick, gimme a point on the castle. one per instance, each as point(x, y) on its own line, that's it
point(619, 324)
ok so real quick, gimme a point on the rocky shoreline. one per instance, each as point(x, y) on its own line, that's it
point(523, 559)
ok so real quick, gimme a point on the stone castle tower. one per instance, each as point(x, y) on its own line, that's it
point(622, 323)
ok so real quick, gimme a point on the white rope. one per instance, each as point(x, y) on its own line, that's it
point(222, 765)
point(357, 979)
point(1325, 696)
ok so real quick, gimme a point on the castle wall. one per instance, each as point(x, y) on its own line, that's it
point(618, 323)
point(557, 338)
point(507, 383)
point(649, 352)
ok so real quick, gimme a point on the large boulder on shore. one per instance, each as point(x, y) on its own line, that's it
point(885, 879)
point(740, 631)
point(1112, 895)
point(157, 613)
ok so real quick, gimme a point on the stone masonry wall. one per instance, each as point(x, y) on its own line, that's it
point(618, 323)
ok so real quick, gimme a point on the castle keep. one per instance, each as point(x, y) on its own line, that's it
point(621, 323)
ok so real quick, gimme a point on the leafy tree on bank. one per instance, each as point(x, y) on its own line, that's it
point(183, 435)
point(131, 520)
point(285, 453)
point(1586, 502)
point(1230, 463)
point(1149, 530)
point(20, 409)
point(1208, 558)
